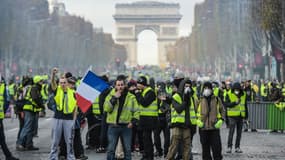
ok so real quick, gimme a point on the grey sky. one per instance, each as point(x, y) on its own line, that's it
point(100, 13)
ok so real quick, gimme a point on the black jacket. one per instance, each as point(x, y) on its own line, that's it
point(229, 104)
point(185, 106)
point(147, 122)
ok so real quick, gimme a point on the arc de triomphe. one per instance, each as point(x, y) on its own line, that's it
point(133, 18)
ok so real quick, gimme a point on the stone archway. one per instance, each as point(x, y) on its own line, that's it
point(133, 18)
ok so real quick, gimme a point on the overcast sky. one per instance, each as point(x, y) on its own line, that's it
point(100, 13)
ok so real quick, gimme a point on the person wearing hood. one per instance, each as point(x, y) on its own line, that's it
point(236, 112)
point(146, 98)
point(137, 136)
point(211, 115)
point(163, 101)
point(182, 103)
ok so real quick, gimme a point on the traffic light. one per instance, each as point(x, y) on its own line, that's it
point(240, 66)
point(118, 62)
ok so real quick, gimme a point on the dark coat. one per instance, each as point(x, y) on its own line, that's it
point(147, 122)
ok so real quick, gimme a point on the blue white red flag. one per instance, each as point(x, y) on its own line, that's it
point(89, 89)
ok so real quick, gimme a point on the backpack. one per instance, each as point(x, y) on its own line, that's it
point(21, 101)
point(51, 102)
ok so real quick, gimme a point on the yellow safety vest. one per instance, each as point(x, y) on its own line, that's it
point(263, 90)
point(159, 110)
point(44, 91)
point(95, 107)
point(152, 109)
point(29, 106)
point(168, 89)
point(2, 90)
point(216, 91)
point(177, 117)
point(283, 91)
point(11, 89)
point(180, 117)
point(61, 104)
point(226, 92)
point(193, 114)
point(238, 110)
point(280, 105)
point(130, 110)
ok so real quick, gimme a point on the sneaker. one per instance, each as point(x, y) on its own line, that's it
point(42, 114)
point(238, 150)
point(178, 157)
point(32, 148)
point(137, 149)
point(20, 148)
point(158, 154)
point(273, 131)
point(62, 158)
point(82, 157)
point(229, 150)
point(12, 158)
point(103, 149)
point(100, 150)
point(90, 148)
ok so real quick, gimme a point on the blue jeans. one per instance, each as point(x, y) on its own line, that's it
point(27, 133)
point(114, 132)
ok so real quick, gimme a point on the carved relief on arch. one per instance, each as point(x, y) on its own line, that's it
point(125, 31)
point(169, 30)
point(154, 28)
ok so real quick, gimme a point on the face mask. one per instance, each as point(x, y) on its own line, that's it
point(207, 92)
point(187, 90)
point(237, 92)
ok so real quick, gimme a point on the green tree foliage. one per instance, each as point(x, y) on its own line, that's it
point(271, 14)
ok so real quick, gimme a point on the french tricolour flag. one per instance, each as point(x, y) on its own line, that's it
point(89, 89)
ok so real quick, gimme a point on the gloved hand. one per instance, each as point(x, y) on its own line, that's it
point(82, 123)
point(219, 123)
point(246, 122)
point(200, 124)
point(279, 105)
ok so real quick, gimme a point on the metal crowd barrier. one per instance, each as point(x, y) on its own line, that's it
point(265, 115)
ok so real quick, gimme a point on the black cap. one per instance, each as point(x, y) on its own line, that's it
point(142, 80)
point(71, 80)
point(188, 81)
point(132, 83)
point(68, 74)
point(176, 82)
point(208, 85)
point(236, 85)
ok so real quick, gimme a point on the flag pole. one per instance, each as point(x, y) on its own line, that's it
point(89, 69)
